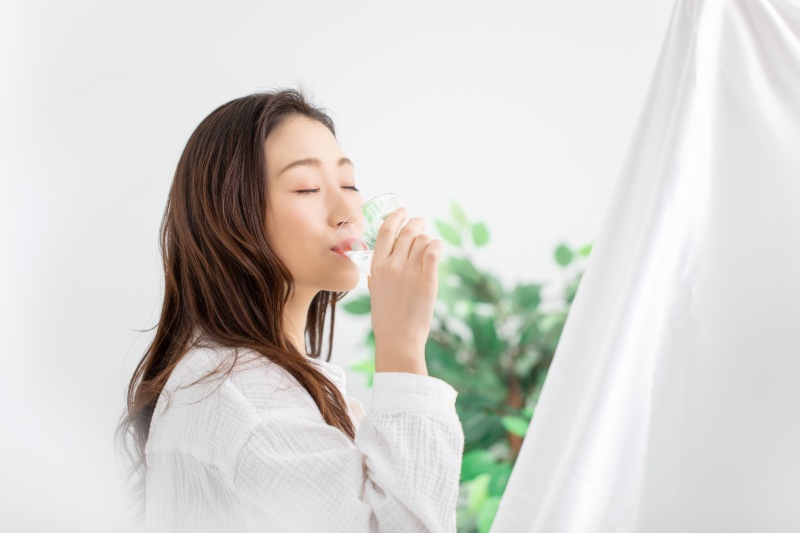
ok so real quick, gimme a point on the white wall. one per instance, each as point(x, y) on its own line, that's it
point(521, 111)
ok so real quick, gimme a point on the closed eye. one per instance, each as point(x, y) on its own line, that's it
point(310, 191)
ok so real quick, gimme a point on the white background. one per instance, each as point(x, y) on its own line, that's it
point(519, 111)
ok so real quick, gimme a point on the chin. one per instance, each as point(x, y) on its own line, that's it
point(345, 282)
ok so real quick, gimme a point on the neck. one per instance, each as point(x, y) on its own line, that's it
point(296, 314)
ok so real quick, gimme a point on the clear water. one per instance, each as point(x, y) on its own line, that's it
point(362, 259)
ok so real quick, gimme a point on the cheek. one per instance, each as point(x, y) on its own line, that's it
point(295, 219)
point(290, 231)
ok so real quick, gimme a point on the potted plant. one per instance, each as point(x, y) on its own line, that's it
point(494, 345)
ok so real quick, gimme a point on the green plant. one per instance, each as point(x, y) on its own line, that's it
point(494, 345)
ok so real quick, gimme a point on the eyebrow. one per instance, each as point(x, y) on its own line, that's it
point(313, 161)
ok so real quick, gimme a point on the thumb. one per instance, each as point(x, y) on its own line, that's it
point(368, 287)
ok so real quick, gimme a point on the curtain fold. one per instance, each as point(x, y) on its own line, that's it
point(673, 400)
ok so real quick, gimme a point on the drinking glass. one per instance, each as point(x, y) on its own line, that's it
point(357, 235)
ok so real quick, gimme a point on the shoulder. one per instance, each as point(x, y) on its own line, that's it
point(215, 397)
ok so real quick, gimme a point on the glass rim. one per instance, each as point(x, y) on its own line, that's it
point(357, 209)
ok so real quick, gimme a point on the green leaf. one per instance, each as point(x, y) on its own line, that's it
point(441, 360)
point(499, 479)
point(487, 382)
point(552, 321)
point(464, 269)
point(515, 424)
point(572, 290)
point(486, 431)
point(478, 492)
point(438, 350)
point(367, 367)
point(476, 401)
point(586, 250)
point(531, 332)
point(540, 379)
point(370, 340)
point(358, 306)
point(484, 335)
point(563, 255)
point(526, 360)
point(495, 286)
point(528, 412)
point(459, 215)
point(465, 519)
point(451, 293)
point(487, 513)
point(475, 463)
point(480, 234)
point(481, 376)
point(448, 232)
point(488, 289)
point(526, 297)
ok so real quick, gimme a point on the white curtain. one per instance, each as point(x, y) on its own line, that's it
point(673, 401)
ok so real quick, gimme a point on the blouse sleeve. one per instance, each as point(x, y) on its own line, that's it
point(401, 474)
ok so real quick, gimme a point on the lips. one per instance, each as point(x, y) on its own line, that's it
point(341, 248)
point(350, 245)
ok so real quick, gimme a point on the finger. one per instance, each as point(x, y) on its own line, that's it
point(430, 258)
point(403, 243)
point(387, 233)
point(421, 242)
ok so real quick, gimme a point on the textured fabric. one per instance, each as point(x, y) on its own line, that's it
point(251, 452)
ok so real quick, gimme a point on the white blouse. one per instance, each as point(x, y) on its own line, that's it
point(251, 452)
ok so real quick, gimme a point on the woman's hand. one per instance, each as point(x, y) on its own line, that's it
point(403, 284)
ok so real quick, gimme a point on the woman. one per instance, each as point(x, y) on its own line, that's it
point(238, 423)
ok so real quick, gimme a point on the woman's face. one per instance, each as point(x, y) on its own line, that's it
point(303, 155)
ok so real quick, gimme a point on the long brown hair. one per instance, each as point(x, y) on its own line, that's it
point(222, 278)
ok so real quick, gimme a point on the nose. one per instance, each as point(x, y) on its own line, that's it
point(343, 203)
